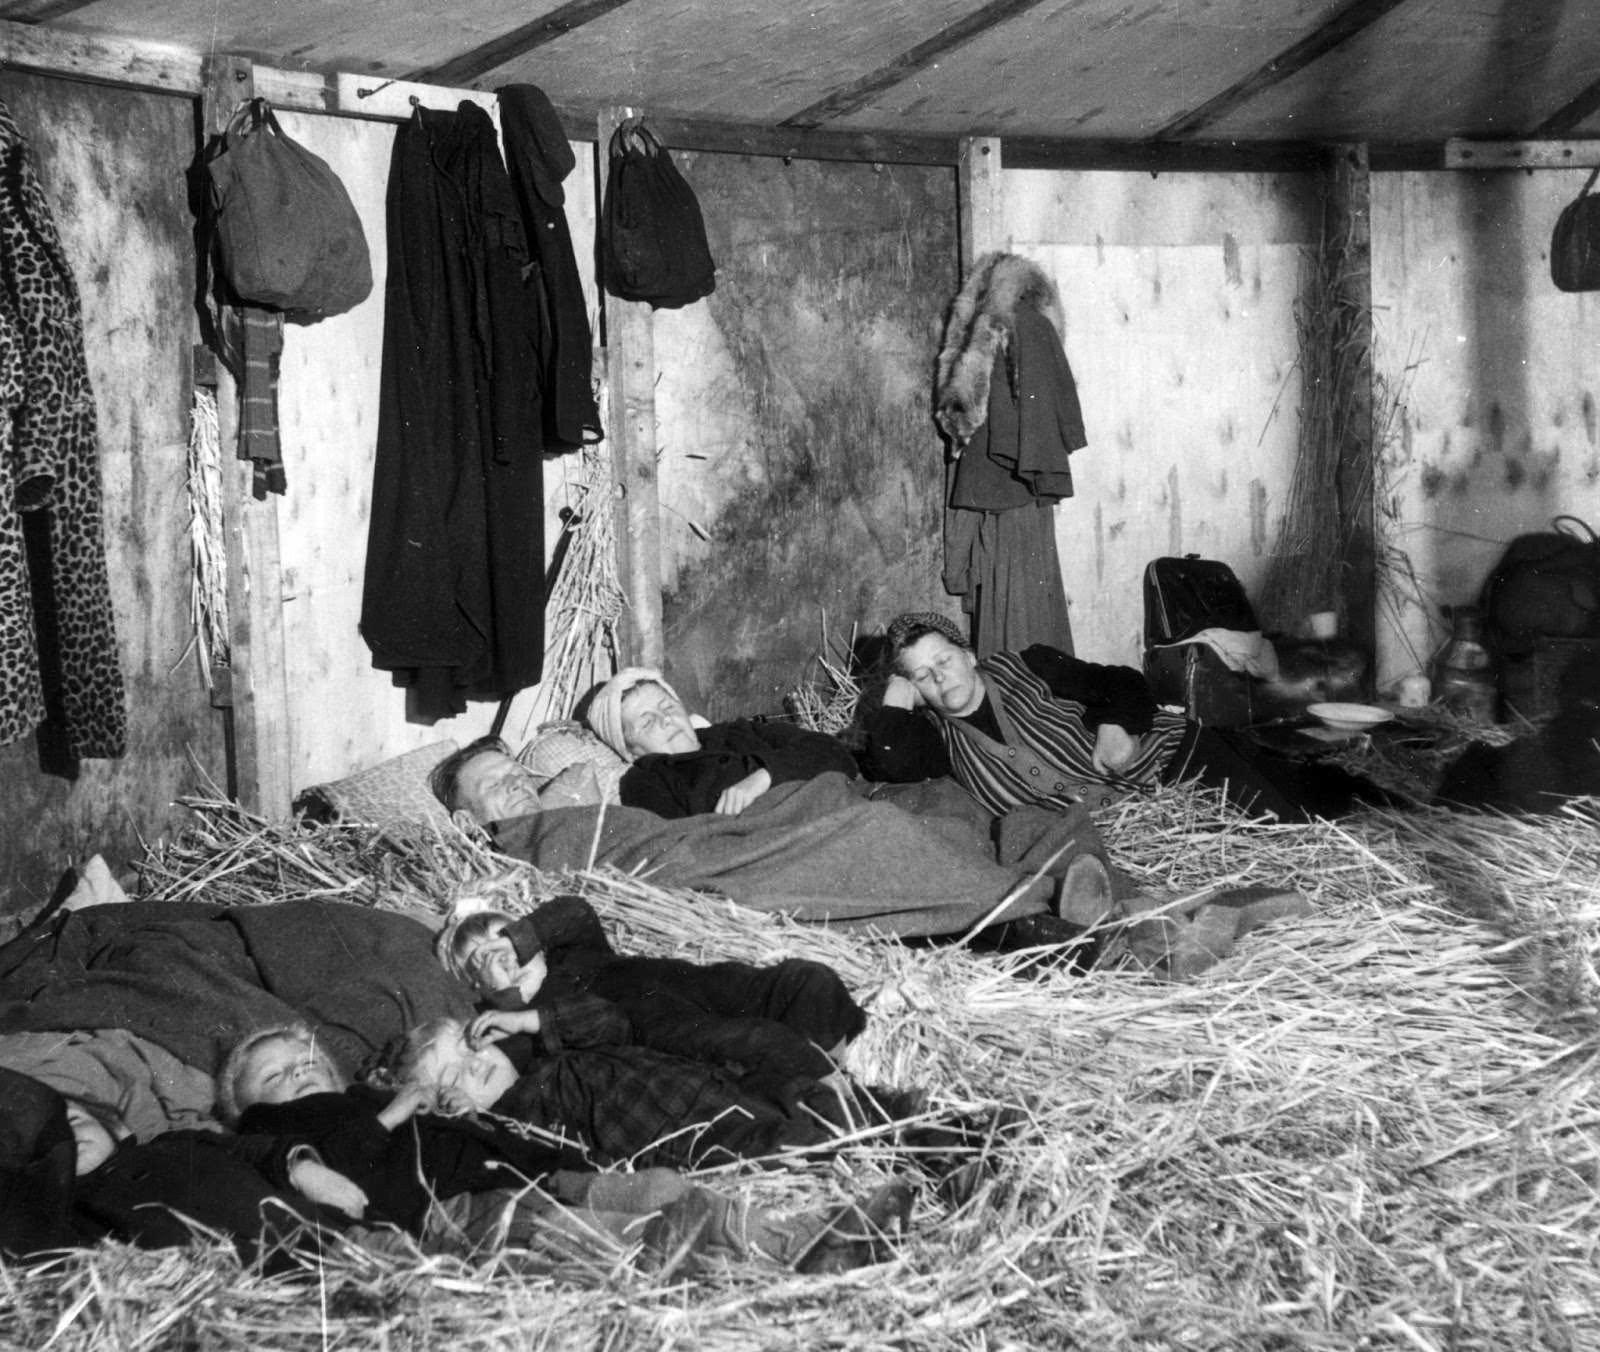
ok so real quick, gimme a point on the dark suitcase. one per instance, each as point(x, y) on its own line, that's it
point(1183, 596)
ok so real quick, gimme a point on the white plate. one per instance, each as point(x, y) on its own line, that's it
point(1349, 717)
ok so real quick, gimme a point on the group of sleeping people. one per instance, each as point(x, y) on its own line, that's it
point(987, 743)
point(506, 1126)
point(503, 1131)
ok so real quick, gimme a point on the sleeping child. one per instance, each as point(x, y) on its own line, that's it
point(456, 1182)
point(554, 976)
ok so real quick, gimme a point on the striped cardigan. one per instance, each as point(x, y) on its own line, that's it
point(1048, 754)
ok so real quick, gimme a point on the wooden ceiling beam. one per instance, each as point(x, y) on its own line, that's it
point(497, 52)
point(151, 66)
point(861, 92)
point(1572, 114)
point(1352, 19)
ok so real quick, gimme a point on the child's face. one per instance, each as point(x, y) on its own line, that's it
point(491, 963)
point(286, 1068)
point(94, 1139)
point(654, 722)
point(480, 1075)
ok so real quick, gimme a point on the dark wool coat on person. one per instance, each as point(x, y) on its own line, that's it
point(453, 599)
point(688, 782)
point(401, 1171)
point(774, 1022)
point(631, 1104)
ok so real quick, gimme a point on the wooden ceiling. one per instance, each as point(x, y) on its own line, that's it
point(1062, 81)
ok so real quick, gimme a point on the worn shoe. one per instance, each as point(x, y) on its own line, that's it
point(1084, 896)
point(1259, 905)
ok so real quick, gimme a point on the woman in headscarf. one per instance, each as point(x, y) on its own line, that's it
point(682, 765)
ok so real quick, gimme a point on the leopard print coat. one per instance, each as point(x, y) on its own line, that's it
point(58, 646)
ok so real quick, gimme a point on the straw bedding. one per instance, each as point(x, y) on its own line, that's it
point(1371, 1129)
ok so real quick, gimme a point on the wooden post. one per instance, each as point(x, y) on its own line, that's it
point(259, 690)
point(630, 367)
point(982, 213)
point(1349, 229)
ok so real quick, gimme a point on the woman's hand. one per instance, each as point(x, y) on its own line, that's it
point(901, 694)
point(501, 1023)
point(739, 796)
point(316, 1182)
point(1114, 747)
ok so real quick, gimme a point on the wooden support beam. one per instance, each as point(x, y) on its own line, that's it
point(861, 92)
point(1352, 19)
point(1554, 154)
point(1573, 113)
point(981, 204)
point(1349, 230)
point(518, 42)
point(630, 367)
point(258, 690)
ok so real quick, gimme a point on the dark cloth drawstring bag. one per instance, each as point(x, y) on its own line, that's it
point(652, 236)
point(286, 232)
point(1575, 242)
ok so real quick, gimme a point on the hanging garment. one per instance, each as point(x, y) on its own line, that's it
point(539, 157)
point(1007, 399)
point(58, 645)
point(1005, 568)
point(453, 599)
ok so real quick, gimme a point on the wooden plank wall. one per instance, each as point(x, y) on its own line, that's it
point(112, 162)
point(1178, 292)
point(800, 470)
point(1494, 377)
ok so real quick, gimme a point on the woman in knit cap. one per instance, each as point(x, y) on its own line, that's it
point(682, 765)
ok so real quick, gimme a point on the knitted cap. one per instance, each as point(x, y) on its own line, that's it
point(605, 709)
point(904, 630)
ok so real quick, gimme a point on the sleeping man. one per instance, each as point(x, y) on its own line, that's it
point(813, 849)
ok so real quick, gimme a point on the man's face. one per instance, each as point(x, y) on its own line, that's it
point(481, 1075)
point(656, 723)
point(946, 676)
point(286, 1068)
point(494, 787)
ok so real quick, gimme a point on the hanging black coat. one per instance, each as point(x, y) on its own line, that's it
point(539, 157)
point(453, 601)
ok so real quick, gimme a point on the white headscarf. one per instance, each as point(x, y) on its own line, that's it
point(605, 709)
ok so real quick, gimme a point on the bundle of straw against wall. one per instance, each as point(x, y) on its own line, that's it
point(586, 600)
point(1332, 327)
point(1369, 1129)
point(208, 554)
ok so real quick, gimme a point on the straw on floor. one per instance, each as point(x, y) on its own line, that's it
point(1371, 1129)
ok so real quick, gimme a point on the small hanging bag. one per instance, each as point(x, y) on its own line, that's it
point(653, 243)
point(1575, 245)
point(287, 235)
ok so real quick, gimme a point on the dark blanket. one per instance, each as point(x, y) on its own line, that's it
point(195, 978)
point(815, 850)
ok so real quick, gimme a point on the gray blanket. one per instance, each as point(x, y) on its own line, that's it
point(817, 850)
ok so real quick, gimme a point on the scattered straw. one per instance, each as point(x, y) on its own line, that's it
point(1371, 1128)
